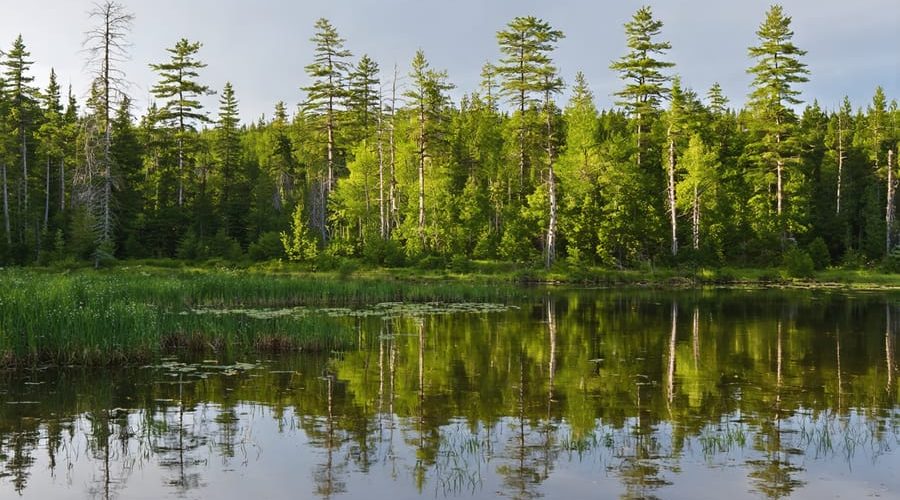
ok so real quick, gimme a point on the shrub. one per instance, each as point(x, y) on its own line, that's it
point(819, 253)
point(268, 246)
point(460, 264)
point(798, 264)
point(891, 262)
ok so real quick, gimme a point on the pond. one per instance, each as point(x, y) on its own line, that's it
point(566, 394)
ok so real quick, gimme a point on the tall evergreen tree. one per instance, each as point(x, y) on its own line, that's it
point(645, 84)
point(22, 98)
point(227, 148)
point(179, 87)
point(777, 70)
point(525, 44)
point(363, 97)
point(51, 137)
point(325, 94)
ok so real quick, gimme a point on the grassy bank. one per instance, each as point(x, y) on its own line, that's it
point(135, 312)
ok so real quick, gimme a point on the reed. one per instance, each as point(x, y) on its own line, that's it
point(131, 314)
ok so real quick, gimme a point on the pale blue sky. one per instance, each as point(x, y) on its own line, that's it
point(262, 46)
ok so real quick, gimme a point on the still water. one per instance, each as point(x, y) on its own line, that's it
point(566, 394)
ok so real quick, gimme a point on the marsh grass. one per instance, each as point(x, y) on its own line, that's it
point(131, 314)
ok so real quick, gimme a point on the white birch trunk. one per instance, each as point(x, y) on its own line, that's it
point(673, 214)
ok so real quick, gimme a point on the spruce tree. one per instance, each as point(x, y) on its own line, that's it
point(227, 148)
point(22, 102)
point(363, 97)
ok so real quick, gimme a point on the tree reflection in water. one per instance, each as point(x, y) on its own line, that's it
point(635, 392)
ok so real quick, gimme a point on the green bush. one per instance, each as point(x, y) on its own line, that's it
point(854, 259)
point(891, 262)
point(798, 264)
point(267, 247)
point(384, 253)
point(460, 264)
point(819, 253)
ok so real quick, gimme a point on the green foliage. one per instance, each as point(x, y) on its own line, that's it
point(797, 263)
point(818, 251)
point(268, 246)
point(891, 262)
point(299, 244)
point(390, 170)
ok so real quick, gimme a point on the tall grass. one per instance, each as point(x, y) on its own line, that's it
point(92, 317)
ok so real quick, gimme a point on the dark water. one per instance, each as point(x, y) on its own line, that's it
point(714, 394)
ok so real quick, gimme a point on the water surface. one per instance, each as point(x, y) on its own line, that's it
point(568, 394)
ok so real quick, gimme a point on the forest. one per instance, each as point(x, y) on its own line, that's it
point(381, 165)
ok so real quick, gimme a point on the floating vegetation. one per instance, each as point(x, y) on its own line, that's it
point(384, 310)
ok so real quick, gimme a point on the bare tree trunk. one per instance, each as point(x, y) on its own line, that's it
point(62, 184)
point(695, 219)
point(393, 219)
point(640, 131)
point(551, 181)
point(422, 149)
point(6, 206)
point(840, 171)
point(329, 125)
point(47, 195)
point(181, 167)
point(779, 167)
point(673, 215)
point(24, 172)
point(522, 140)
point(889, 210)
point(382, 220)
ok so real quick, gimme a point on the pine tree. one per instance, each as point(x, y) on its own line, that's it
point(178, 85)
point(324, 95)
point(525, 45)
point(646, 83)
point(778, 68)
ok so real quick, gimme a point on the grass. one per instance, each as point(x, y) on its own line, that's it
point(136, 310)
point(134, 313)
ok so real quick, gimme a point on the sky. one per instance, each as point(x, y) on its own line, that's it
point(262, 46)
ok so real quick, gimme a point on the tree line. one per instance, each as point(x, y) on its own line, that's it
point(383, 165)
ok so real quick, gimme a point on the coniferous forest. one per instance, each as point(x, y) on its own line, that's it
point(380, 164)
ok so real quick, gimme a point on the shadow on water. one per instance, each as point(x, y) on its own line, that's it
point(640, 394)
